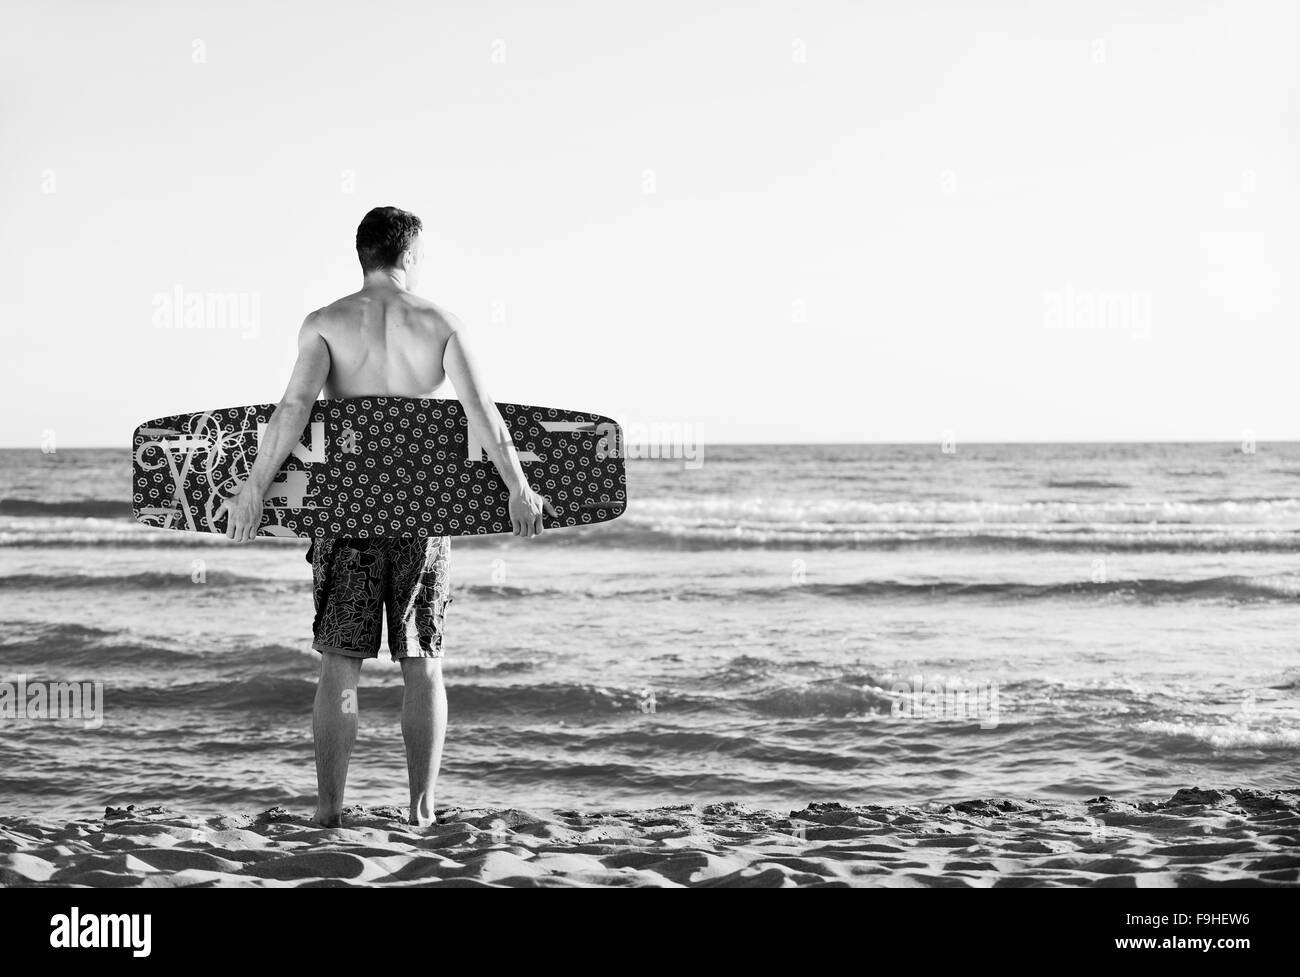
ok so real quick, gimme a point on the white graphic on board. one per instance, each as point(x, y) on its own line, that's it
point(474, 447)
point(308, 455)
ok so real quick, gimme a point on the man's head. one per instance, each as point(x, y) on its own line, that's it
point(390, 238)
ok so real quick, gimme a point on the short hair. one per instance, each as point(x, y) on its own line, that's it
point(383, 235)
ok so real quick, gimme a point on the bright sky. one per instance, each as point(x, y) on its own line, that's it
point(777, 221)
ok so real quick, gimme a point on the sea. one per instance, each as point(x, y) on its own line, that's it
point(768, 624)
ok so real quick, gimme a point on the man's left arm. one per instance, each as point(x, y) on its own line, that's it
point(243, 510)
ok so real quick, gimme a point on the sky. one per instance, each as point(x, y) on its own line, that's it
point(794, 221)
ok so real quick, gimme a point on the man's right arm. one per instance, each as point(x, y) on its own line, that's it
point(487, 425)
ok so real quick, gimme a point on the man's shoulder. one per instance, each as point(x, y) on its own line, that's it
point(428, 312)
point(347, 308)
point(341, 308)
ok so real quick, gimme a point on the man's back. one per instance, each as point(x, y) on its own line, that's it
point(383, 341)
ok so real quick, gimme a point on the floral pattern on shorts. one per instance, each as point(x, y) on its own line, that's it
point(358, 582)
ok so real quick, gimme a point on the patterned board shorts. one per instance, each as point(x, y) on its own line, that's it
point(356, 580)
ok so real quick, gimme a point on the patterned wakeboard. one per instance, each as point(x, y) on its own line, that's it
point(378, 466)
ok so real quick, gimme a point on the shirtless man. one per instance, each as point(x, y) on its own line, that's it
point(381, 341)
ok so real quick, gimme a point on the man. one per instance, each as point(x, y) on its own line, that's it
point(381, 341)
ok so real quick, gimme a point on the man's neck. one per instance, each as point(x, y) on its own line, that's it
point(385, 278)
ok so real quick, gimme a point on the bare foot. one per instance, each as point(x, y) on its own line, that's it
point(422, 818)
point(331, 820)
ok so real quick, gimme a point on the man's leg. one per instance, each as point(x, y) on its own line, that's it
point(347, 587)
point(334, 727)
point(424, 726)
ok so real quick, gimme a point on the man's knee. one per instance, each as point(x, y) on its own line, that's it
point(337, 667)
point(422, 670)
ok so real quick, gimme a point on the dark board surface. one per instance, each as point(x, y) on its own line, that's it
point(377, 466)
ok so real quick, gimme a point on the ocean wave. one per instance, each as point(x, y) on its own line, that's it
point(153, 581)
point(69, 645)
point(87, 508)
point(778, 512)
point(64, 531)
point(1224, 736)
point(145, 580)
point(276, 681)
point(63, 645)
point(1232, 588)
point(1132, 539)
point(1243, 589)
point(496, 668)
point(1138, 539)
point(721, 522)
point(273, 690)
point(827, 697)
point(1085, 483)
point(266, 693)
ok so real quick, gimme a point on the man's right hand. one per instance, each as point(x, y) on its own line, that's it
point(526, 510)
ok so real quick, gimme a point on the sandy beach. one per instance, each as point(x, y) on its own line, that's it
point(1194, 838)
